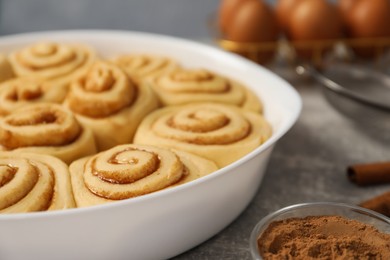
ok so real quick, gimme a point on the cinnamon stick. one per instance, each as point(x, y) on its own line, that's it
point(367, 174)
point(380, 204)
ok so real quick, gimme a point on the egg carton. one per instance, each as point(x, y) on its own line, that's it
point(313, 51)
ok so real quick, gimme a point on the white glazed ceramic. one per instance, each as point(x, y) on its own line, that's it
point(165, 223)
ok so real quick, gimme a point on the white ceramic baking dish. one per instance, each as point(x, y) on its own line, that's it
point(165, 223)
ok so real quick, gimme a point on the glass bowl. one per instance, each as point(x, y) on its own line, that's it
point(381, 222)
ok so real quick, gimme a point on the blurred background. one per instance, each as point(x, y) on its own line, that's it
point(191, 19)
point(182, 18)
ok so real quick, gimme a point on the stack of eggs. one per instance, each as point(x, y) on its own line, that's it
point(305, 21)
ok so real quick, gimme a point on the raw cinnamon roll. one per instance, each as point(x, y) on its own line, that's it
point(46, 129)
point(186, 86)
point(221, 133)
point(128, 171)
point(6, 71)
point(22, 91)
point(33, 182)
point(143, 66)
point(59, 62)
point(106, 100)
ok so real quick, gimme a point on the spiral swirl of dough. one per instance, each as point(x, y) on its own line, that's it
point(221, 133)
point(33, 182)
point(6, 71)
point(127, 171)
point(143, 66)
point(186, 86)
point(22, 91)
point(102, 91)
point(52, 61)
point(108, 102)
point(46, 128)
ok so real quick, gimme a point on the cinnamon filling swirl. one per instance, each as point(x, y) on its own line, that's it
point(7, 172)
point(51, 60)
point(28, 91)
point(206, 126)
point(25, 181)
point(32, 182)
point(21, 91)
point(129, 170)
point(141, 164)
point(38, 125)
point(103, 91)
point(142, 66)
point(193, 81)
point(44, 55)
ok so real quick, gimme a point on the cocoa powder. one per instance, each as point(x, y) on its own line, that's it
point(323, 237)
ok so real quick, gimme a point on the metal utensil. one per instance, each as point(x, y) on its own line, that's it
point(366, 86)
point(360, 93)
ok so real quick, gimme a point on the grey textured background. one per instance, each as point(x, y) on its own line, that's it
point(183, 18)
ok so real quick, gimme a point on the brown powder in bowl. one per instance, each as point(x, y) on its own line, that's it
point(323, 237)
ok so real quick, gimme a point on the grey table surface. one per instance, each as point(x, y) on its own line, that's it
point(307, 165)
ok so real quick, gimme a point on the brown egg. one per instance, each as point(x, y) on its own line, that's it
point(226, 10)
point(254, 21)
point(314, 20)
point(283, 10)
point(369, 19)
point(345, 7)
